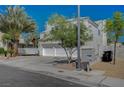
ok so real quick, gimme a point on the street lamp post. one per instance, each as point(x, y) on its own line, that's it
point(78, 39)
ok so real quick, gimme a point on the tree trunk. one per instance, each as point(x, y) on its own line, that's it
point(16, 48)
point(114, 58)
point(66, 53)
point(70, 56)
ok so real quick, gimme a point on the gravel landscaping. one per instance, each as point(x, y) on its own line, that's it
point(111, 70)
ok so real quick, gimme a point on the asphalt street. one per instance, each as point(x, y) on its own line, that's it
point(14, 77)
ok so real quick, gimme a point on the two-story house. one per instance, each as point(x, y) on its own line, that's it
point(98, 42)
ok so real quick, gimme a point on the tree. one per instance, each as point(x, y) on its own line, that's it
point(6, 38)
point(115, 27)
point(65, 32)
point(14, 21)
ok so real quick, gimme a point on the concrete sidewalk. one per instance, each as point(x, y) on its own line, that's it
point(92, 78)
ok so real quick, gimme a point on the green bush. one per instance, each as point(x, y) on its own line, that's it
point(5, 53)
point(122, 43)
point(1, 50)
point(10, 51)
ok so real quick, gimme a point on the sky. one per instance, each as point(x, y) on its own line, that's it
point(41, 13)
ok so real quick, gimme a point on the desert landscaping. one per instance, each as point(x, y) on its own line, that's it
point(110, 69)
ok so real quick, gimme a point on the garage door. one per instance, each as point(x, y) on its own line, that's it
point(60, 52)
point(48, 52)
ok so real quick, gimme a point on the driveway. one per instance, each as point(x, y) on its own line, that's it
point(31, 60)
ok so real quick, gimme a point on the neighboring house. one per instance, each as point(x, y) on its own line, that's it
point(23, 48)
point(24, 44)
point(26, 48)
point(98, 42)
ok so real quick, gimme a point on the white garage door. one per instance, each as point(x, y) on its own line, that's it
point(48, 52)
point(60, 52)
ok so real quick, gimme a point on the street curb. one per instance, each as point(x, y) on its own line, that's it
point(72, 79)
point(66, 78)
point(69, 78)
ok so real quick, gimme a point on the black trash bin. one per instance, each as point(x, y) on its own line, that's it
point(107, 56)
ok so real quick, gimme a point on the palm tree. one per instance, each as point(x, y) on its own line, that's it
point(6, 38)
point(115, 26)
point(14, 21)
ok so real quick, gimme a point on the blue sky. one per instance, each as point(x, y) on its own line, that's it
point(41, 13)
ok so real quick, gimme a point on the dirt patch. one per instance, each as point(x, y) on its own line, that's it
point(111, 70)
point(2, 57)
point(8, 58)
point(66, 66)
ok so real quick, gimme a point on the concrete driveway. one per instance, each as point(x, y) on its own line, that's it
point(31, 60)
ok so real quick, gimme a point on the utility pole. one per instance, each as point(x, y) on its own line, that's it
point(78, 39)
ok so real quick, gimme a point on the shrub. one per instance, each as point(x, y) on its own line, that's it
point(5, 53)
point(122, 43)
point(1, 50)
point(10, 51)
